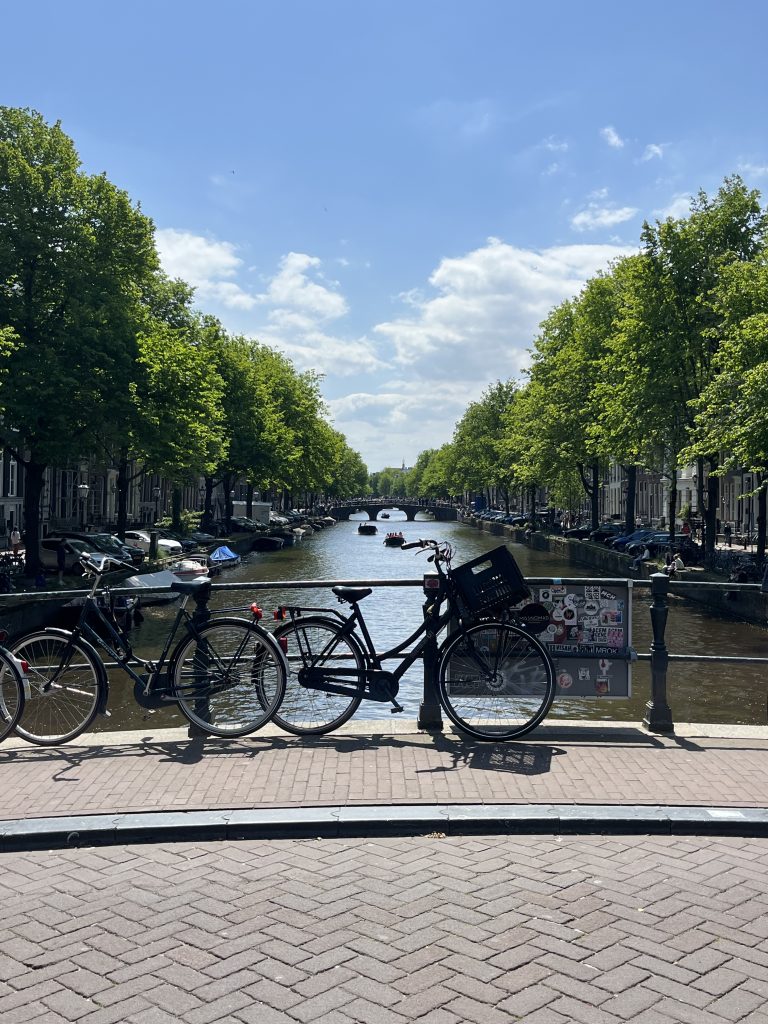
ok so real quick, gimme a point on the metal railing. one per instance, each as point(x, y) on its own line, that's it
point(658, 717)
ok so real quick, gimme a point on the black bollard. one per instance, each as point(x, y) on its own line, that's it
point(658, 714)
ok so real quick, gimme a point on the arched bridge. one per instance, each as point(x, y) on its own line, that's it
point(373, 509)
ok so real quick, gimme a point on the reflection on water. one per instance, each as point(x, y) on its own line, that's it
point(697, 692)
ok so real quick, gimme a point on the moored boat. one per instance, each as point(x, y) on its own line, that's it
point(223, 557)
point(189, 569)
point(267, 543)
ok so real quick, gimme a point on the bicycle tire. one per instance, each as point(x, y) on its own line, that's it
point(229, 678)
point(306, 712)
point(495, 681)
point(12, 695)
point(77, 688)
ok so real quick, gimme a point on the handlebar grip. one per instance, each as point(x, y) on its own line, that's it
point(412, 544)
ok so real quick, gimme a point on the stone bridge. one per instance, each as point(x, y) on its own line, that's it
point(373, 509)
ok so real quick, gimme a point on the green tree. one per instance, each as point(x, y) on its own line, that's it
point(74, 255)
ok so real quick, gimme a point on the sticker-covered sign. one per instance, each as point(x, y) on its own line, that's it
point(587, 630)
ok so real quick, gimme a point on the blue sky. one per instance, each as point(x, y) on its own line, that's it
point(396, 194)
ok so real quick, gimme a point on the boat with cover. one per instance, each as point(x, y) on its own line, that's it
point(223, 557)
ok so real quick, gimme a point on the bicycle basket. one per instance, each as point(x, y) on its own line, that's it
point(489, 583)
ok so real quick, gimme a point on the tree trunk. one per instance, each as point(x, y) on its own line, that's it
point(631, 498)
point(594, 497)
point(761, 524)
point(206, 520)
point(122, 494)
point(176, 524)
point(33, 489)
point(672, 505)
point(249, 500)
point(713, 507)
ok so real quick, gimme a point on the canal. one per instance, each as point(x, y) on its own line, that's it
point(697, 692)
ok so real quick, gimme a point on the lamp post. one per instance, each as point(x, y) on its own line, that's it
point(82, 493)
point(156, 495)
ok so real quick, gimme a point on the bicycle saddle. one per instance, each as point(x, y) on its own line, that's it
point(351, 594)
point(191, 586)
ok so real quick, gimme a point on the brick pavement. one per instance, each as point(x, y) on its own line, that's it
point(609, 765)
point(439, 930)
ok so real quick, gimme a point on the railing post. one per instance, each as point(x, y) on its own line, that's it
point(430, 716)
point(658, 714)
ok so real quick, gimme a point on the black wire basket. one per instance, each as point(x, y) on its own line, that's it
point(489, 583)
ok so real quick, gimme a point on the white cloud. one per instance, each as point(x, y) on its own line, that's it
point(754, 170)
point(594, 217)
point(679, 206)
point(554, 145)
point(205, 264)
point(487, 308)
point(293, 287)
point(612, 137)
point(653, 151)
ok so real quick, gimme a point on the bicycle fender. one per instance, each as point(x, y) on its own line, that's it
point(90, 649)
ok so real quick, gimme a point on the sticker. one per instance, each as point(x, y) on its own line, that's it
point(564, 680)
point(584, 674)
point(591, 607)
point(602, 686)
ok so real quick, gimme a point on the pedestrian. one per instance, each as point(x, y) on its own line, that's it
point(15, 540)
point(727, 529)
point(686, 531)
point(669, 564)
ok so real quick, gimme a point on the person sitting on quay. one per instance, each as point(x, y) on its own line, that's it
point(643, 555)
point(674, 564)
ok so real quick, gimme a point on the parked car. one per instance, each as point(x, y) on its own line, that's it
point(202, 538)
point(607, 532)
point(621, 543)
point(578, 532)
point(187, 543)
point(107, 543)
point(165, 548)
point(73, 549)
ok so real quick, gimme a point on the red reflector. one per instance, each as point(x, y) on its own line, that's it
point(25, 667)
point(283, 641)
point(431, 582)
point(257, 612)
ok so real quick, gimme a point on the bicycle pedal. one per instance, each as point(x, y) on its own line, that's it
point(396, 709)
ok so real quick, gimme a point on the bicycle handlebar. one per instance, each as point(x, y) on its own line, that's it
point(109, 561)
point(419, 544)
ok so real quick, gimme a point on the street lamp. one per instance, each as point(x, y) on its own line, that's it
point(156, 492)
point(82, 493)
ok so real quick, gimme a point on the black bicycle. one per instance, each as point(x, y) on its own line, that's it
point(226, 674)
point(13, 689)
point(495, 679)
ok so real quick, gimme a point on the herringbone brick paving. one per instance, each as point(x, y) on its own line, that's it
point(627, 767)
point(440, 930)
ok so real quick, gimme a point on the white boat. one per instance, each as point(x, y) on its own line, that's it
point(189, 569)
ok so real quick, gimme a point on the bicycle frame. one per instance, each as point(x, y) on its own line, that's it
point(120, 648)
point(434, 622)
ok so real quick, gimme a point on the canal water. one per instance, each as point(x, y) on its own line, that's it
point(697, 692)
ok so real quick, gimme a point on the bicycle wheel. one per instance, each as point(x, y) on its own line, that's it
point(11, 695)
point(66, 687)
point(495, 681)
point(314, 641)
point(229, 678)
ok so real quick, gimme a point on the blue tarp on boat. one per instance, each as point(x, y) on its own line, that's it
point(223, 556)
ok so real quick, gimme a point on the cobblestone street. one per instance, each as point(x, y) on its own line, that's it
point(435, 929)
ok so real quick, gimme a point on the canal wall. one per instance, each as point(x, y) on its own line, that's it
point(748, 604)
